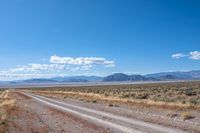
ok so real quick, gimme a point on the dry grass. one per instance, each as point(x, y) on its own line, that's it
point(5, 99)
point(6, 103)
point(165, 95)
point(172, 114)
point(91, 97)
point(186, 115)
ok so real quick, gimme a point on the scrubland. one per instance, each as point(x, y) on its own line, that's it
point(166, 95)
point(6, 104)
point(174, 104)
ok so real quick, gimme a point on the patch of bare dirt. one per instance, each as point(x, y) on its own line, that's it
point(6, 104)
point(28, 116)
point(167, 117)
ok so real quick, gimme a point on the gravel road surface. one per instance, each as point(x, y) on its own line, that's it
point(117, 123)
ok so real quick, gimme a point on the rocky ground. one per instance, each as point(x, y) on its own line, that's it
point(28, 116)
point(168, 117)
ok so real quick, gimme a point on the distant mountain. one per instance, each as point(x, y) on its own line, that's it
point(125, 77)
point(78, 78)
point(117, 77)
point(177, 75)
point(194, 74)
point(163, 76)
point(38, 81)
point(167, 77)
point(61, 79)
point(137, 78)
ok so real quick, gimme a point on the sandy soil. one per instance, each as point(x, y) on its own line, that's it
point(30, 117)
point(166, 117)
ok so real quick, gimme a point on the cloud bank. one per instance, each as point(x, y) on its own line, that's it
point(85, 61)
point(194, 55)
point(178, 55)
point(56, 64)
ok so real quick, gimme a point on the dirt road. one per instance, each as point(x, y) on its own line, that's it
point(114, 122)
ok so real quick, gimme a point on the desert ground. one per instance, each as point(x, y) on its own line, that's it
point(132, 108)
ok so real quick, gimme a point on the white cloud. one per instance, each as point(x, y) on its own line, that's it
point(56, 65)
point(64, 63)
point(75, 69)
point(195, 55)
point(38, 67)
point(20, 76)
point(86, 67)
point(84, 61)
point(178, 55)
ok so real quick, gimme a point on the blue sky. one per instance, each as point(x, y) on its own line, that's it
point(97, 37)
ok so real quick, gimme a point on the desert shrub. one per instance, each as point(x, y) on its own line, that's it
point(189, 92)
point(94, 101)
point(178, 92)
point(142, 96)
point(65, 97)
point(106, 94)
point(125, 95)
point(2, 122)
point(193, 101)
point(110, 105)
point(172, 115)
point(113, 105)
point(186, 116)
point(183, 102)
point(81, 99)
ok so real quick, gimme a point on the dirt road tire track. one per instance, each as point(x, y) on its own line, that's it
point(120, 123)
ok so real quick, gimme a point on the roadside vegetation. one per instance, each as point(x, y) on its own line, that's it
point(166, 95)
point(186, 116)
point(6, 104)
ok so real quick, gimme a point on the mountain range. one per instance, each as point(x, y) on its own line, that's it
point(163, 76)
